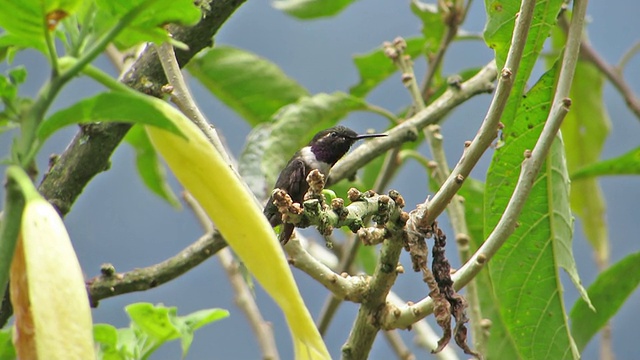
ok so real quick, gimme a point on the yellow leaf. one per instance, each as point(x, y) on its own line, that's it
point(53, 318)
point(204, 173)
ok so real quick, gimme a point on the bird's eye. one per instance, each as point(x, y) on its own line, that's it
point(333, 134)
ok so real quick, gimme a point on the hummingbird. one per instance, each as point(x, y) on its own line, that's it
point(323, 151)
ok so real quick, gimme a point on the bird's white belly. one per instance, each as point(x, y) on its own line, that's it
point(309, 158)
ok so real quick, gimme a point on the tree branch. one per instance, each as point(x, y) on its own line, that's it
point(612, 73)
point(110, 283)
point(482, 82)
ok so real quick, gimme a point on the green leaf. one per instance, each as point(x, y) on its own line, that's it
point(497, 34)
point(584, 132)
point(608, 293)
point(105, 334)
point(252, 86)
point(149, 166)
point(149, 23)
point(626, 164)
point(153, 320)
point(188, 324)
point(250, 161)
point(294, 125)
point(433, 27)
point(158, 324)
point(106, 338)
point(375, 67)
point(113, 107)
point(26, 22)
point(7, 351)
point(531, 302)
point(500, 343)
point(311, 9)
point(367, 258)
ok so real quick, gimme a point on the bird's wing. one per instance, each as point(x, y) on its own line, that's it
point(297, 182)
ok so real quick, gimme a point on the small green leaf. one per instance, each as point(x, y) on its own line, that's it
point(608, 293)
point(148, 25)
point(188, 324)
point(105, 334)
point(311, 9)
point(149, 166)
point(113, 107)
point(295, 124)
point(626, 164)
point(375, 67)
point(154, 320)
point(18, 75)
point(252, 86)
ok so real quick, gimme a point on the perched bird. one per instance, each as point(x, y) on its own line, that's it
point(324, 150)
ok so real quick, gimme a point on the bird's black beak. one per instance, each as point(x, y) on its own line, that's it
point(364, 136)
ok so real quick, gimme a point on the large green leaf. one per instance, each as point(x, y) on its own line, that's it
point(626, 164)
point(149, 166)
point(149, 23)
point(610, 290)
point(114, 107)
point(375, 67)
point(525, 271)
point(497, 34)
point(500, 343)
point(311, 9)
point(250, 85)
point(26, 22)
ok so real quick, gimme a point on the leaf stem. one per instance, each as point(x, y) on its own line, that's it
point(53, 54)
point(181, 96)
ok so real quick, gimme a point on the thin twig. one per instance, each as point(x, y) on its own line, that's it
point(346, 287)
point(626, 57)
point(332, 303)
point(455, 14)
point(425, 336)
point(398, 346)
point(482, 82)
point(181, 96)
point(613, 74)
point(141, 279)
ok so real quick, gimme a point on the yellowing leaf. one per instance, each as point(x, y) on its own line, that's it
point(202, 170)
point(53, 318)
